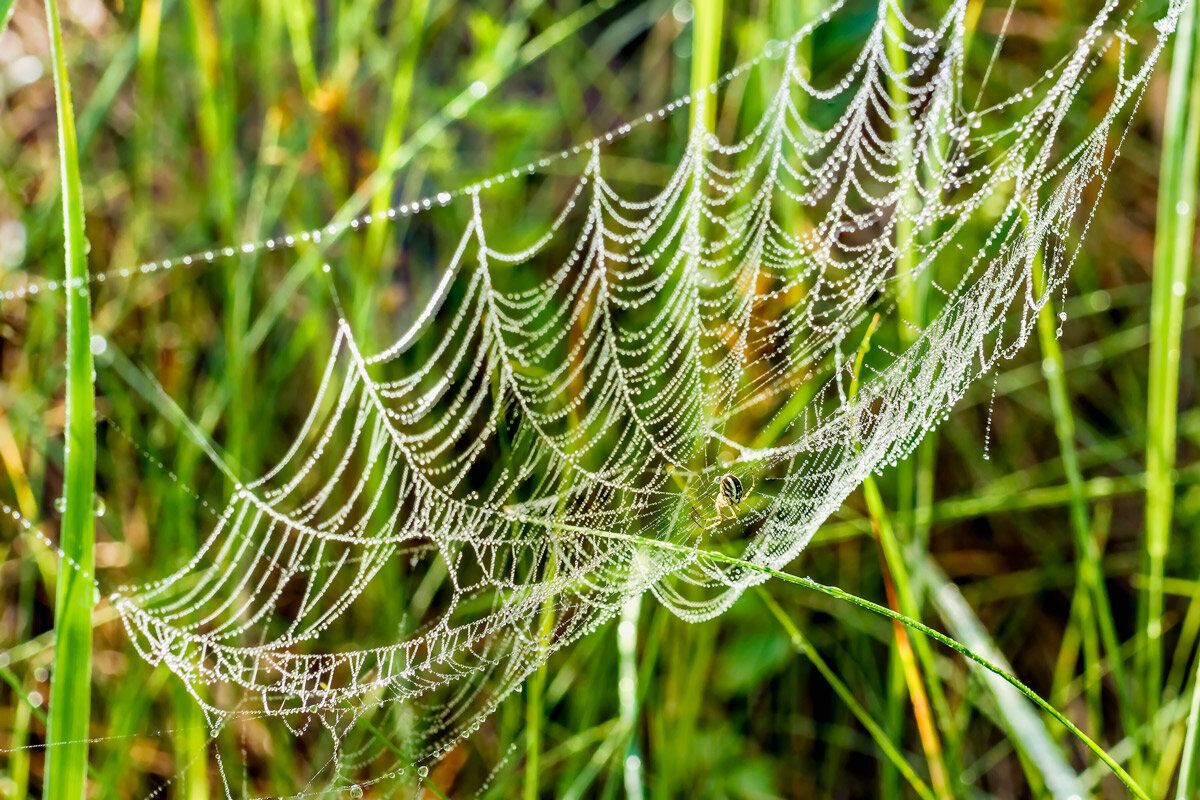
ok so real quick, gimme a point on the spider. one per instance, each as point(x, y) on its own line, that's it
point(729, 496)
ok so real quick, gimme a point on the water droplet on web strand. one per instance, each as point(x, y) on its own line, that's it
point(356, 791)
point(60, 505)
point(422, 770)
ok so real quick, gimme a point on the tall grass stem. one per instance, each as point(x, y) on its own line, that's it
point(801, 643)
point(1176, 221)
point(1091, 603)
point(920, 627)
point(627, 694)
point(70, 688)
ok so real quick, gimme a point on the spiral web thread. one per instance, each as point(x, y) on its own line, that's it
point(547, 417)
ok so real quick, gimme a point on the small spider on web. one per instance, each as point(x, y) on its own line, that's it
point(729, 496)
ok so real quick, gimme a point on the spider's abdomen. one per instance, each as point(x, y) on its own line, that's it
point(731, 487)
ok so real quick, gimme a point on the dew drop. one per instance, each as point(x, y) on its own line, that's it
point(98, 506)
point(60, 505)
point(356, 791)
point(422, 770)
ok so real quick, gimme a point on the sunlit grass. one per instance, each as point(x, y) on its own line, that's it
point(802, 700)
point(71, 680)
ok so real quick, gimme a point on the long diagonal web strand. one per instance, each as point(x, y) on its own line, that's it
point(512, 419)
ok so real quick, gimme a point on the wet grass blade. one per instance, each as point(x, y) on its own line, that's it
point(70, 688)
point(839, 594)
point(901, 598)
point(801, 643)
point(1176, 221)
point(1091, 604)
point(1026, 730)
point(6, 13)
point(1183, 789)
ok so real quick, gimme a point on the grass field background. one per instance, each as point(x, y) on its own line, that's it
point(1046, 527)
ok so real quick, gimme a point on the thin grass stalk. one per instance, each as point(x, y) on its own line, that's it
point(897, 585)
point(1176, 757)
point(1172, 262)
point(908, 298)
point(298, 19)
point(803, 646)
point(840, 594)
point(1183, 788)
point(900, 597)
point(399, 98)
point(627, 695)
point(1043, 762)
point(149, 34)
point(18, 760)
point(534, 696)
point(706, 58)
point(70, 688)
point(914, 476)
point(1090, 604)
point(535, 702)
point(1189, 634)
point(216, 135)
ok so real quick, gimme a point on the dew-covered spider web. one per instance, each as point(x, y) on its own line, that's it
point(568, 400)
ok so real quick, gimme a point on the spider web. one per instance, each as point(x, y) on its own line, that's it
point(561, 407)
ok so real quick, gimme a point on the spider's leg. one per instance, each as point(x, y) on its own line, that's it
point(750, 491)
point(720, 517)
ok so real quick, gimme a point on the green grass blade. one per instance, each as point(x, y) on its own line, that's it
point(903, 599)
point(1026, 730)
point(1092, 604)
point(6, 12)
point(882, 740)
point(627, 695)
point(915, 674)
point(1172, 261)
point(535, 705)
point(1183, 789)
point(840, 594)
point(706, 57)
point(908, 295)
point(963, 650)
point(399, 98)
point(70, 688)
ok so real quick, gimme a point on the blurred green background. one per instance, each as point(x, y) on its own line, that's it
point(205, 123)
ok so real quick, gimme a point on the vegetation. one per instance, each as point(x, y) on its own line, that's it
point(1046, 531)
point(70, 692)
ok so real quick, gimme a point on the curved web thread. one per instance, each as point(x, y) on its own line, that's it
point(555, 408)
